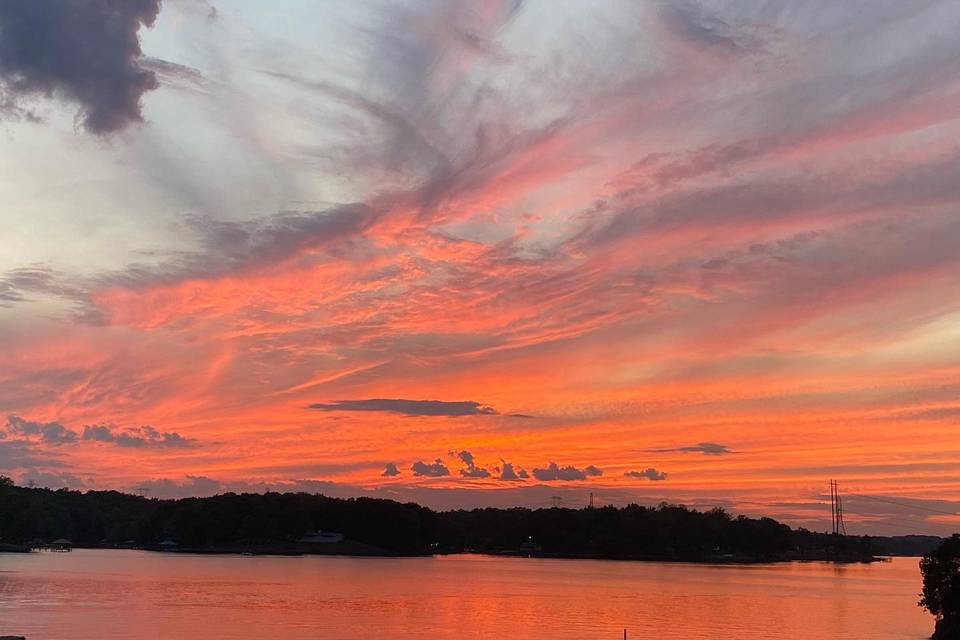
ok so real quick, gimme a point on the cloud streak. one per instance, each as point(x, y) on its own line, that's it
point(649, 473)
point(706, 448)
point(409, 407)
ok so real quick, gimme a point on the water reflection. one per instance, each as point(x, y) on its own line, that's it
point(123, 594)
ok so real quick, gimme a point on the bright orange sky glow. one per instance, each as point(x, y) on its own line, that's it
point(700, 253)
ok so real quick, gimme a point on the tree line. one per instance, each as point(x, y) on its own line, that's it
point(111, 518)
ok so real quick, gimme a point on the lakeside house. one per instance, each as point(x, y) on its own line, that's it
point(321, 537)
point(61, 544)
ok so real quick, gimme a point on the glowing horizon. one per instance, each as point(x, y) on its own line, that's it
point(491, 252)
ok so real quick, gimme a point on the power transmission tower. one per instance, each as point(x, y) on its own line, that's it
point(836, 510)
point(555, 501)
point(590, 506)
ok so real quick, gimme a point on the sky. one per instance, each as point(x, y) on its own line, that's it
point(487, 252)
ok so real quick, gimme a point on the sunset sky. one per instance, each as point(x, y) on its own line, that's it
point(482, 252)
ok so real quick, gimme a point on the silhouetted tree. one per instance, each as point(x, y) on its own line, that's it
point(667, 531)
point(941, 587)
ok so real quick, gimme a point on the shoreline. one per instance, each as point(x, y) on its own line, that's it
point(360, 550)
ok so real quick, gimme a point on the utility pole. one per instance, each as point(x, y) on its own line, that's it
point(590, 506)
point(842, 527)
point(833, 509)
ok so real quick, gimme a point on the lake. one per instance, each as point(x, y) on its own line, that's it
point(96, 595)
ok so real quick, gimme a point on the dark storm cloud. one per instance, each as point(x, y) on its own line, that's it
point(649, 474)
point(555, 472)
point(142, 437)
point(49, 432)
point(408, 407)
point(435, 470)
point(83, 51)
point(390, 470)
point(706, 448)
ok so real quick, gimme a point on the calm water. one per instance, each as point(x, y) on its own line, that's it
point(96, 595)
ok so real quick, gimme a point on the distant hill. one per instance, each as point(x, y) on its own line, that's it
point(912, 545)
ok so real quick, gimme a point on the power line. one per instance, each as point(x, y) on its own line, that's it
point(906, 504)
point(891, 522)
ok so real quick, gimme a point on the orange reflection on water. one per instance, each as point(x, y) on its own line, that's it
point(107, 595)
